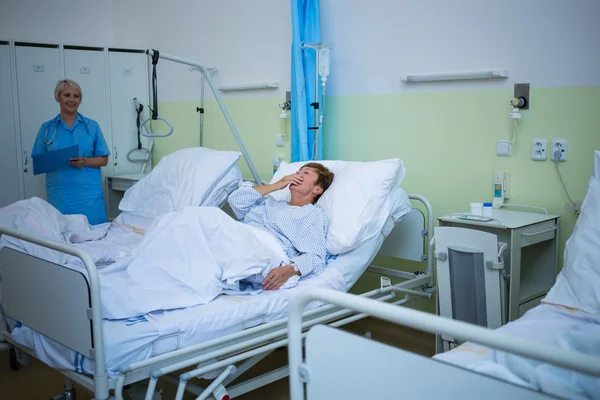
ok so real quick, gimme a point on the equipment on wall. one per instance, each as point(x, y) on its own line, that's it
point(155, 117)
point(145, 156)
point(322, 69)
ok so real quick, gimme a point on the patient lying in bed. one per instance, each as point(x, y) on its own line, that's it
point(300, 226)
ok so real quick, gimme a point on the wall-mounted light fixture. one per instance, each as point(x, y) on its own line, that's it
point(252, 86)
point(456, 76)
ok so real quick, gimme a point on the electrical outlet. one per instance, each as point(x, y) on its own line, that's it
point(559, 147)
point(538, 149)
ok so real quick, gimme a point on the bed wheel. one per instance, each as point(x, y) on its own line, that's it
point(12, 359)
point(67, 395)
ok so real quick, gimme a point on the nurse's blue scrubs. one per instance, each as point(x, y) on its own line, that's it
point(75, 190)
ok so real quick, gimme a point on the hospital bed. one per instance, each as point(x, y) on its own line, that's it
point(61, 321)
point(552, 351)
point(341, 365)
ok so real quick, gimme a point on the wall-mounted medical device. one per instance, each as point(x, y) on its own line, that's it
point(501, 188)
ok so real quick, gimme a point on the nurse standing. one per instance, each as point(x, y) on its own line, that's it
point(76, 189)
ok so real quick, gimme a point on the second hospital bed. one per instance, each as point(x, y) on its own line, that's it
point(206, 335)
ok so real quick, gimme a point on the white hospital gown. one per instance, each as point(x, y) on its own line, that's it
point(302, 231)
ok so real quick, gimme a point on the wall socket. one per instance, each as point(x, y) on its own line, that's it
point(538, 149)
point(560, 146)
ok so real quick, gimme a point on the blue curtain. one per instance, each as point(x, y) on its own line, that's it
point(305, 28)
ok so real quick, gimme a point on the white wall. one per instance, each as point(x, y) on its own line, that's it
point(83, 22)
point(247, 41)
point(544, 42)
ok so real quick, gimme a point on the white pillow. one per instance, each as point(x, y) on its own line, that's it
point(356, 203)
point(578, 284)
point(183, 178)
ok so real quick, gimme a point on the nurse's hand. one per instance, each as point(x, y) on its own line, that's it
point(77, 162)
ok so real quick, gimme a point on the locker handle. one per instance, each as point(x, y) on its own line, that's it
point(116, 153)
point(25, 153)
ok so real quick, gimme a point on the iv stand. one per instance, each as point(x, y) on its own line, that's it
point(200, 109)
point(315, 104)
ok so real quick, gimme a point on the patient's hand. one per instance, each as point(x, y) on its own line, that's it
point(278, 276)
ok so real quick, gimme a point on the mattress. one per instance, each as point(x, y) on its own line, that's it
point(140, 338)
point(550, 324)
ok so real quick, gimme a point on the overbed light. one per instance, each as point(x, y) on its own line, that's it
point(456, 76)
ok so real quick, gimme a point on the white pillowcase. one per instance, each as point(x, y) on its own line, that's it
point(357, 203)
point(578, 284)
point(183, 178)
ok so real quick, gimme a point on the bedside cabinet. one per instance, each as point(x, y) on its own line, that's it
point(531, 259)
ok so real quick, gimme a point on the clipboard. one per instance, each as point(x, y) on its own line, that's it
point(54, 160)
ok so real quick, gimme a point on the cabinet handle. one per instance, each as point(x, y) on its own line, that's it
point(540, 232)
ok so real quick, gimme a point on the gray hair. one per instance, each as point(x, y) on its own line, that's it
point(63, 83)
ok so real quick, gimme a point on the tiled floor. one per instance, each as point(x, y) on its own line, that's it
point(38, 381)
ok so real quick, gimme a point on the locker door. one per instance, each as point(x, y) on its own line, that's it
point(9, 163)
point(87, 68)
point(128, 80)
point(38, 70)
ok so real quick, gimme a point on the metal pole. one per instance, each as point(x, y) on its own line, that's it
point(215, 91)
point(202, 112)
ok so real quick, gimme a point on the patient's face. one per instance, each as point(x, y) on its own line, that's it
point(308, 186)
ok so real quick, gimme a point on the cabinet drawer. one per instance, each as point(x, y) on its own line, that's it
point(120, 184)
point(538, 233)
point(523, 308)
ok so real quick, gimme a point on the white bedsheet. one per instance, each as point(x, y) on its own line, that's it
point(554, 325)
point(137, 339)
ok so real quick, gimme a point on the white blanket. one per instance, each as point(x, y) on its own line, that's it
point(104, 243)
point(188, 258)
point(553, 325)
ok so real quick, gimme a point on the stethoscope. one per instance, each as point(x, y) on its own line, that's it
point(55, 122)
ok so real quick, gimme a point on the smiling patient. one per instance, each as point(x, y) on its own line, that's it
point(300, 225)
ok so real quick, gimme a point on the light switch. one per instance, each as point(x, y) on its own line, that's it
point(279, 141)
point(503, 148)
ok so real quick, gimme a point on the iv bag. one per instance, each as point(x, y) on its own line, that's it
point(324, 63)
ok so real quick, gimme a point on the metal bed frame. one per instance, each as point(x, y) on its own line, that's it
point(65, 305)
point(379, 364)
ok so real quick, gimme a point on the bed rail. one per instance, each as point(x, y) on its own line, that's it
point(40, 275)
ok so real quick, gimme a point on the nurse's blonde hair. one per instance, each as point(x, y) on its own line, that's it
point(62, 84)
